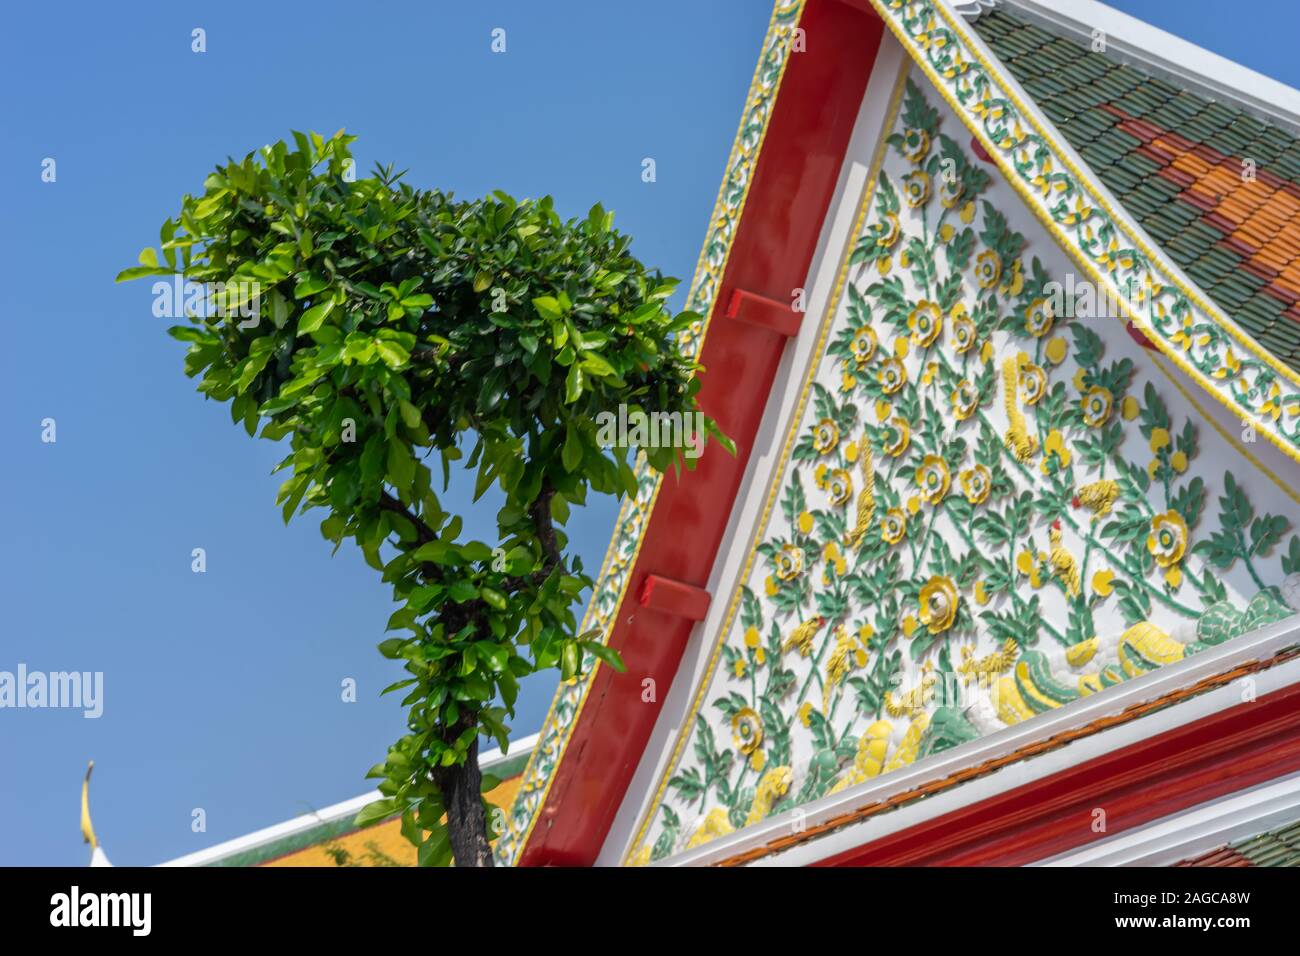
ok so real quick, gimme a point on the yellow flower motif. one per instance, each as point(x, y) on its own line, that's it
point(951, 191)
point(890, 232)
point(1033, 379)
point(805, 713)
point(988, 269)
point(1129, 408)
point(757, 761)
point(892, 375)
point(1153, 467)
point(1013, 279)
point(981, 594)
point(1273, 407)
point(938, 600)
point(1183, 338)
point(925, 322)
point(893, 526)
point(789, 562)
point(1168, 538)
point(884, 264)
point(770, 586)
point(916, 143)
point(913, 504)
point(986, 352)
point(848, 382)
point(747, 730)
point(1102, 582)
point(933, 478)
point(1055, 445)
point(805, 522)
point(1174, 577)
point(841, 487)
point(738, 668)
point(833, 556)
point(968, 212)
point(1081, 380)
point(1179, 461)
point(1080, 213)
point(1159, 439)
point(1030, 565)
point(1097, 404)
point(898, 435)
point(826, 435)
point(916, 188)
point(975, 484)
point(760, 655)
point(1230, 367)
point(1057, 350)
point(965, 399)
point(1038, 317)
point(864, 345)
point(909, 625)
point(851, 452)
point(946, 231)
point(819, 474)
point(865, 633)
point(751, 637)
point(963, 329)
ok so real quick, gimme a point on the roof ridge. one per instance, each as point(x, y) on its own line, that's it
point(1164, 55)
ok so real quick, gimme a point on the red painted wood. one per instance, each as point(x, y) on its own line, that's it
point(794, 181)
point(765, 313)
point(1221, 754)
point(674, 597)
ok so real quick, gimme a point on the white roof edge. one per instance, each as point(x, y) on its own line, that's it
point(1169, 57)
point(330, 814)
point(1260, 645)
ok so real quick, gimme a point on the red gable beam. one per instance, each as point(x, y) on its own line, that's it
point(793, 184)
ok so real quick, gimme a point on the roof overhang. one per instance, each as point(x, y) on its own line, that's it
point(762, 237)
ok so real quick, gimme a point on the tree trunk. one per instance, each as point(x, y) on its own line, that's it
point(466, 821)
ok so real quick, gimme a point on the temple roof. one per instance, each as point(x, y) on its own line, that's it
point(1175, 160)
point(1280, 847)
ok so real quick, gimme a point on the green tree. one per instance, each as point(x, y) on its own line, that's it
point(393, 328)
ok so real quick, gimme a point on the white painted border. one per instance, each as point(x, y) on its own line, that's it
point(1260, 645)
point(330, 814)
point(1193, 832)
point(765, 459)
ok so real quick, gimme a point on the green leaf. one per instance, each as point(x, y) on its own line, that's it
point(571, 455)
point(606, 654)
point(547, 307)
point(314, 317)
point(374, 812)
point(573, 384)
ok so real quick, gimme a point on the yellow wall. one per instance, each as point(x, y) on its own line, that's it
point(384, 837)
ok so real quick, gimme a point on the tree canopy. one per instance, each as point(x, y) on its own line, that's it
point(394, 328)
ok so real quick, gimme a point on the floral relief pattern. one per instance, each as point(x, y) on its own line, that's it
point(989, 509)
point(1224, 359)
point(634, 513)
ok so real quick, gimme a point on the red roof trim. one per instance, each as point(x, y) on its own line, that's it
point(1199, 761)
point(794, 182)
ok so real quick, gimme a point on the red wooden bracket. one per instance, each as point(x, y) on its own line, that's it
point(675, 597)
point(766, 313)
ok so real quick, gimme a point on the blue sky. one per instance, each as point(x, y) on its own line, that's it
point(222, 690)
